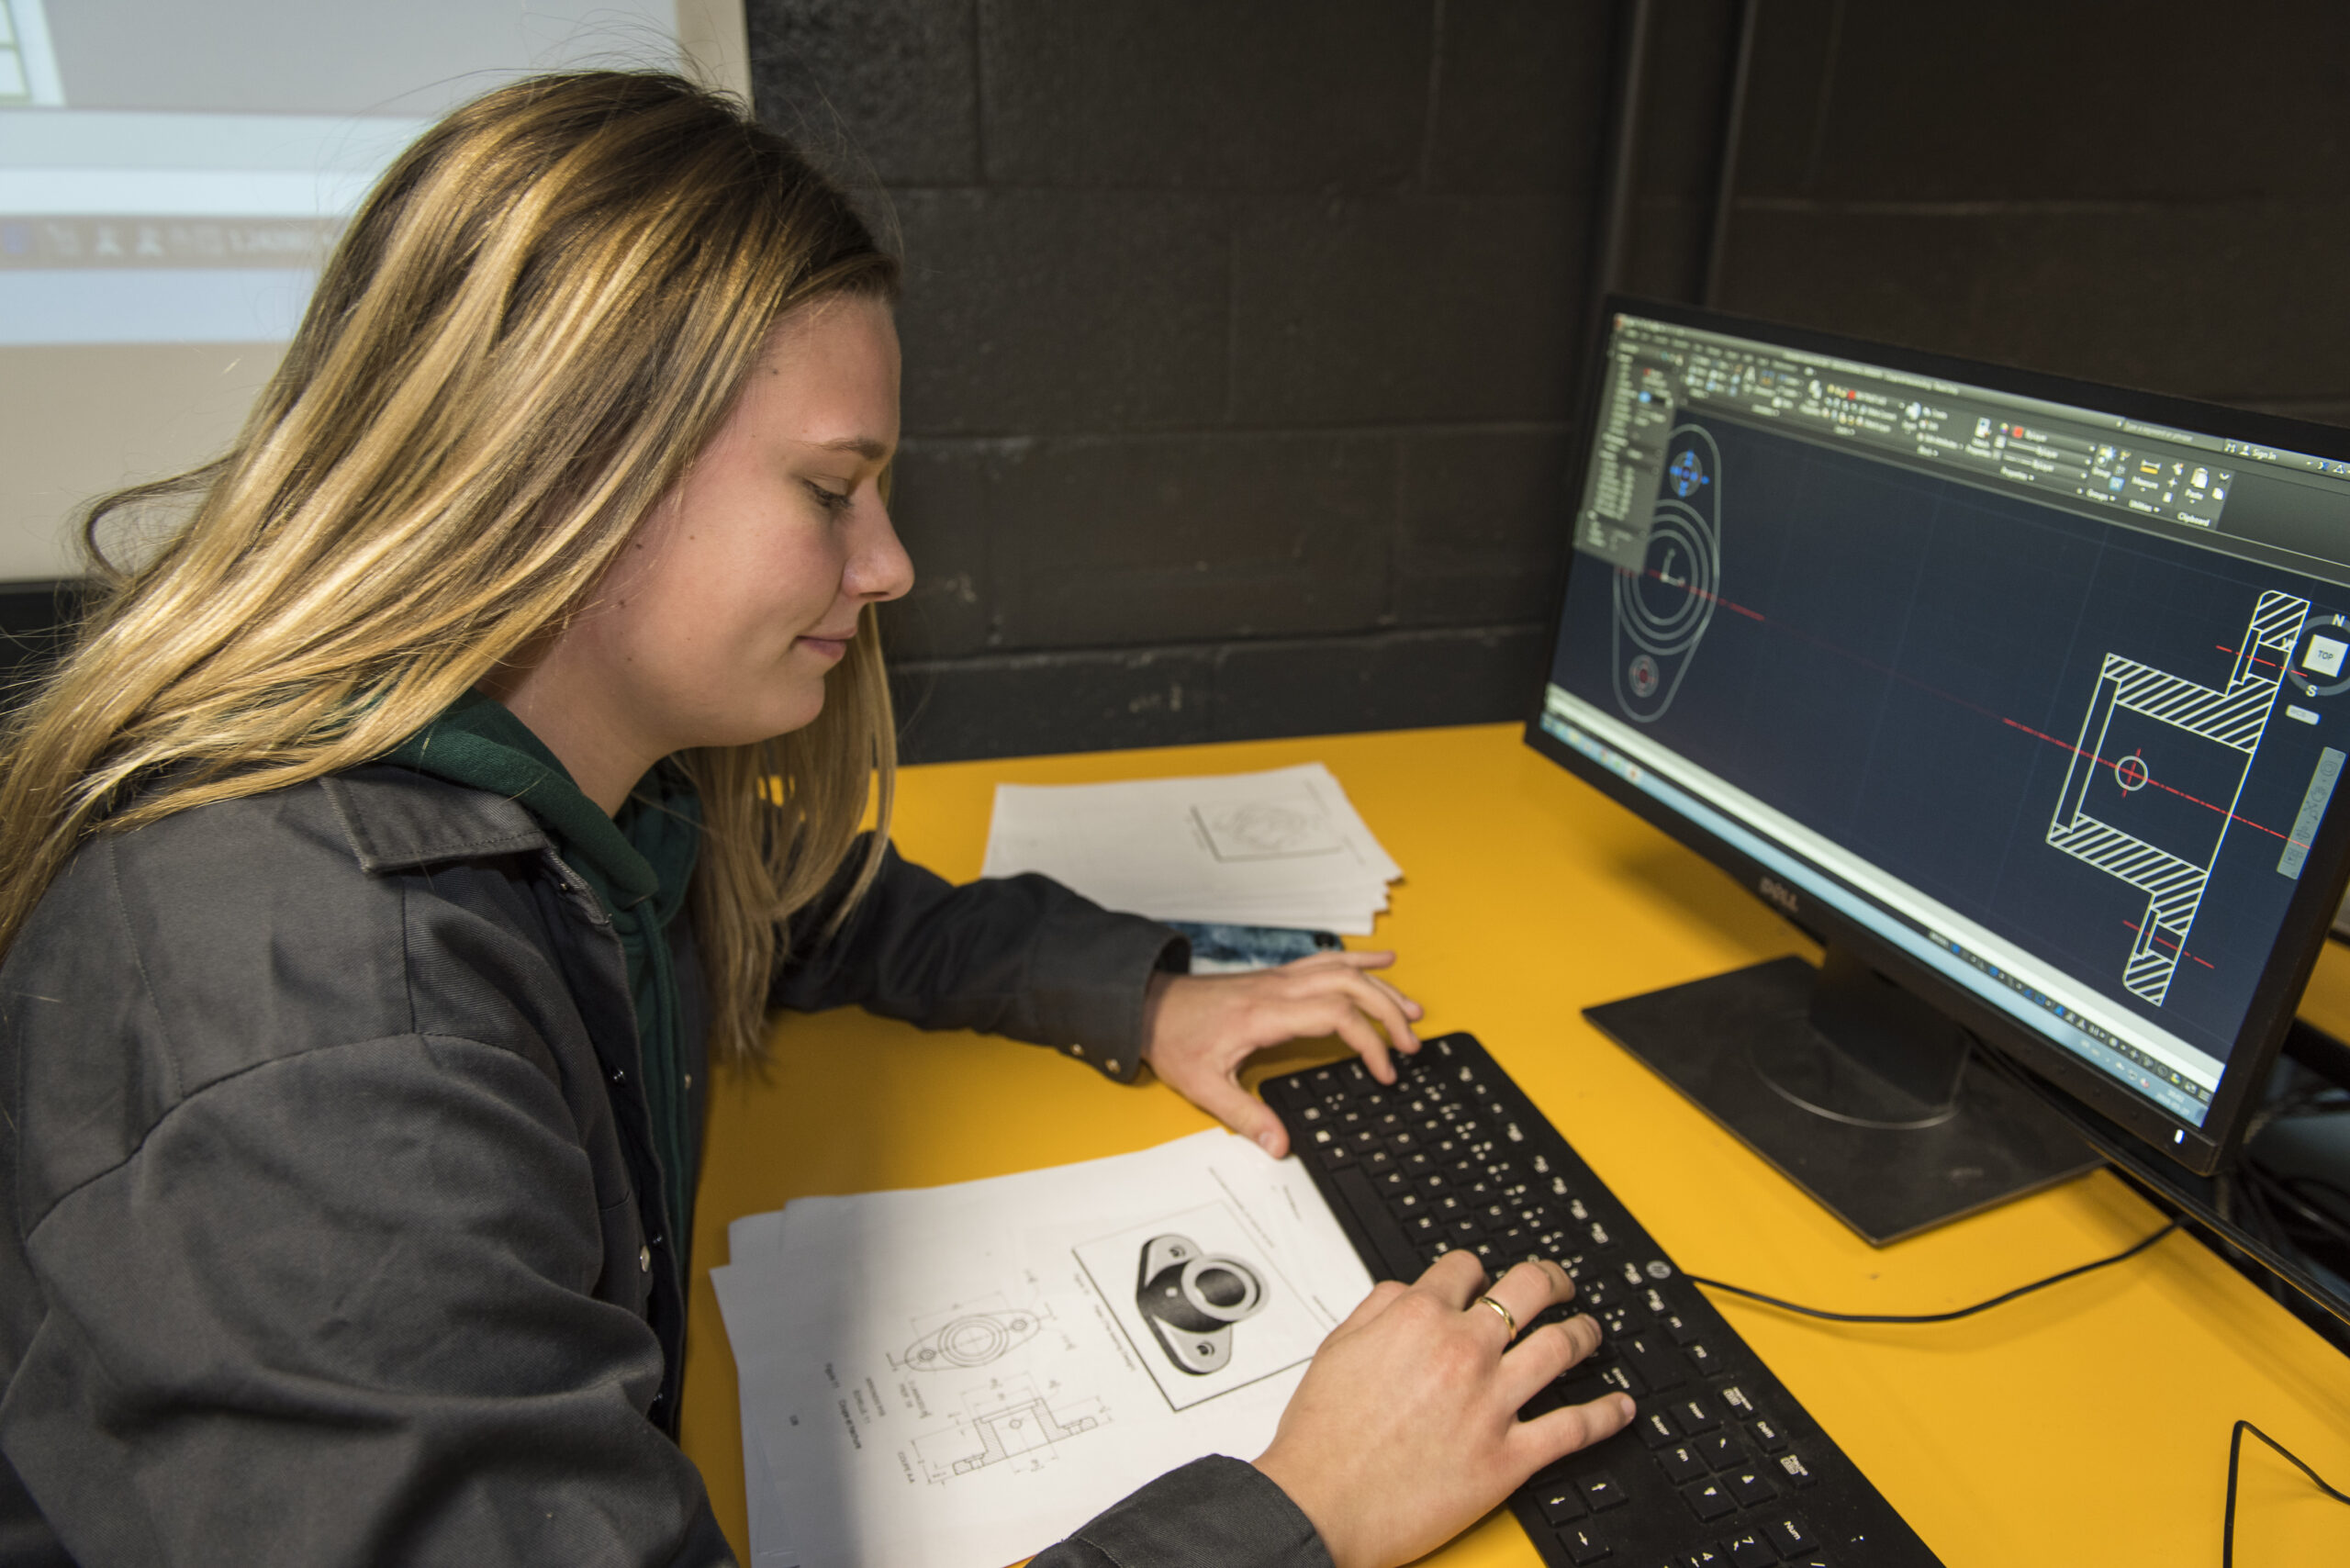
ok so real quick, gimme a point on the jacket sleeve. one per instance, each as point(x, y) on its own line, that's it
point(1021, 957)
point(337, 1308)
point(1213, 1513)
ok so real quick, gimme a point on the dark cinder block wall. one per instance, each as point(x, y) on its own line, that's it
point(1239, 348)
point(1243, 338)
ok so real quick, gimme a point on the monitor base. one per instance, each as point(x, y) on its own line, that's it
point(1877, 1118)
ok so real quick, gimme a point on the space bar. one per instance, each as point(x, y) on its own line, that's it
point(1371, 1216)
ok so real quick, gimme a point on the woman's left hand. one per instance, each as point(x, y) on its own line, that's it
point(1199, 1029)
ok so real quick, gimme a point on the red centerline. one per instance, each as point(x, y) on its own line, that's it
point(2174, 947)
point(2100, 762)
point(2272, 664)
point(1974, 707)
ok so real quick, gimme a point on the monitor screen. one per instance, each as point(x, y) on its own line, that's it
point(2043, 691)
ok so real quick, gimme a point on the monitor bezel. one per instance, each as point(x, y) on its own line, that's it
point(2308, 915)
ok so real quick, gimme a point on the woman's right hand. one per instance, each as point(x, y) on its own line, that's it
point(1404, 1430)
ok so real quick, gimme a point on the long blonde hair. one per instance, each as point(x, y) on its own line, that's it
point(538, 318)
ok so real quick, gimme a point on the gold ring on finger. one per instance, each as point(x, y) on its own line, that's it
point(1508, 1316)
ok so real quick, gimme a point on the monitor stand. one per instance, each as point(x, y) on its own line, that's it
point(1856, 1090)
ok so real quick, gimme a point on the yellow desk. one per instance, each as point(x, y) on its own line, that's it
point(2084, 1425)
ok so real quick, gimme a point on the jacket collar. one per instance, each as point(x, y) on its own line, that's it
point(400, 820)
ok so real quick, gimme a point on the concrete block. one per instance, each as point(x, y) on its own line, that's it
point(880, 91)
point(1120, 541)
point(1486, 520)
point(1391, 682)
point(1033, 705)
point(1521, 97)
point(1406, 309)
point(1211, 94)
point(1032, 312)
point(2237, 303)
point(939, 502)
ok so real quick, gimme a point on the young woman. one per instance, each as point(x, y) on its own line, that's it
point(481, 753)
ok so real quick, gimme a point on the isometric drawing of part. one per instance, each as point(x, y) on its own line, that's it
point(971, 1340)
point(1664, 608)
point(1192, 1299)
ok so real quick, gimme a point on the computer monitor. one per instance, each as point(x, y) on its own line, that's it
point(2028, 698)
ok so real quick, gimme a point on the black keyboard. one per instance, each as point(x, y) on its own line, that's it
point(1722, 1468)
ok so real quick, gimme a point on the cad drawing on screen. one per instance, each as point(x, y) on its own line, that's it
point(1662, 609)
point(2142, 724)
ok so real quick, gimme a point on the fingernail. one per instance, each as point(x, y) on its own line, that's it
point(1265, 1141)
point(1624, 1406)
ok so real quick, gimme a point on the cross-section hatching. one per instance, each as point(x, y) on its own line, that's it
point(2143, 727)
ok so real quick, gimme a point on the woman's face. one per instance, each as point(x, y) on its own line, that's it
point(742, 589)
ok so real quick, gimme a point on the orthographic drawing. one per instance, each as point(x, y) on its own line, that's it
point(1265, 830)
point(2144, 727)
point(1662, 609)
point(1018, 1429)
point(973, 1340)
point(1192, 1299)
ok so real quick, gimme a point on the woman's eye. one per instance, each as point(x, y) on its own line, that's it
point(830, 501)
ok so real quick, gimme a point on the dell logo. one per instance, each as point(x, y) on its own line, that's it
point(1778, 892)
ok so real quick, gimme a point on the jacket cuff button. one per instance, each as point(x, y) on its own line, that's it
point(1077, 1050)
point(644, 1260)
point(1109, 1066)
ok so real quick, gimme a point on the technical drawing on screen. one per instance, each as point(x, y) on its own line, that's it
point(2052, 699)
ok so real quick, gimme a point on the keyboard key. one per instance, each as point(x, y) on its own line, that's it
point(1656, 1428)
point(1703, 1557)
point(1708, 1501)
point(1562, 1502)
point(1603, 1492)
point(1747, 1552)
point(1681, 1463)
point(1793, 1467)
point(1720, 1451)
point(1679, 1328)
point(1659, 1367)
point(1695, 1415)
point(1740, 1407)
point(1407, 1204)
point(1582, 1545)
point(1702, 1356)
point(1751, 1489)
point(1789, 1536)
point(1767, 1433)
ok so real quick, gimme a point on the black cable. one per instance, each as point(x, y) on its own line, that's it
point(2128, 1252)
point(2236, 1452)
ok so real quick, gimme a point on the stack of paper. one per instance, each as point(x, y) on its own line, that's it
point(1277, 848)
point(960, 1376)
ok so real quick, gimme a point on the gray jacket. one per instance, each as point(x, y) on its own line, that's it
point(321, 1157)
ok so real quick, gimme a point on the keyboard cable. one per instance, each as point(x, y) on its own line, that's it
point(1952, 1317)
point(2236, 1438)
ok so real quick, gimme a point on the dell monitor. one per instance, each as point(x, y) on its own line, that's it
point(2028, 698)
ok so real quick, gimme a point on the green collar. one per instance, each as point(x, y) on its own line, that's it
point(478, 741)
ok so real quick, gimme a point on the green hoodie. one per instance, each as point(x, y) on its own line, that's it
point(639, 863)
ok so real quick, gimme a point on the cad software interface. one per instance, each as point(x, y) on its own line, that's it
point(2051, 699)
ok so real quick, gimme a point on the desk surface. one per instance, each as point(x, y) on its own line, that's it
point(2087, 1424)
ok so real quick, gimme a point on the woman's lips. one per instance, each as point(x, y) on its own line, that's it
point(830, 647)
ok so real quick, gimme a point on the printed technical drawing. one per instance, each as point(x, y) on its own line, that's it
point(1021, 1428)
